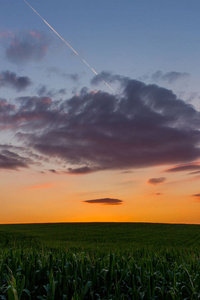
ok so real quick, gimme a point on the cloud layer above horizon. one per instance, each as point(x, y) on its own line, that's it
point(141, 126)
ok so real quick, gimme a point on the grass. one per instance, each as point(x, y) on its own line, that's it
point(100, 261)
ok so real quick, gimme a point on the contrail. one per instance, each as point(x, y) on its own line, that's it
point(67, 44)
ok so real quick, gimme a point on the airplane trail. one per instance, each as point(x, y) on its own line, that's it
point(68, 44)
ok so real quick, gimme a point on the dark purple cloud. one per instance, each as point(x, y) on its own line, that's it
point(188, 167)
point(53, 171)
point(105, 201)
point(9, 79)
point(27, 46)
point(143, 126)
point(169, 77)
point(155, 181)
point(12, 161)
point(16, 157)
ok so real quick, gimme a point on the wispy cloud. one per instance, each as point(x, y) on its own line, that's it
point(169, 77)
point(5, 34)
point(57, 71)
point(44, 91)
point(25, 46)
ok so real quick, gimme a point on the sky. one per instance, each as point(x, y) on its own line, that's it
point(108, 131)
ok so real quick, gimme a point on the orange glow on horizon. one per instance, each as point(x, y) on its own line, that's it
point(34, 200)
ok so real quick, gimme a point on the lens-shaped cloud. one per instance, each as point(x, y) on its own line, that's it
point(105, 201)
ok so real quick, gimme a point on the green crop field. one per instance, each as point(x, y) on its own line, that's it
point(100, 261)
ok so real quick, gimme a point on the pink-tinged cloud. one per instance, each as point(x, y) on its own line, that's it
point(7, 34)
point(41, 186)
point(186, 167)
point(94, 92)
point(105, 201)
point(27, 46)
point(35, 34)
point(155, 181)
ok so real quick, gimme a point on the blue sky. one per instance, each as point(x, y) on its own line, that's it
point(57, 119)
point(131, 38)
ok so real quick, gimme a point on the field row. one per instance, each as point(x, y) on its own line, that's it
point(168, 274)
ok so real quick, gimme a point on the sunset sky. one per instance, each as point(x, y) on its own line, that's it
point(74, 150)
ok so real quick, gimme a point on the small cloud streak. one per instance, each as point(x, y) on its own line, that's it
point(155, 181)
point(181, 168)
point(193, 173)
point(105, 201)
point(157, 194)
point(80, 171)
